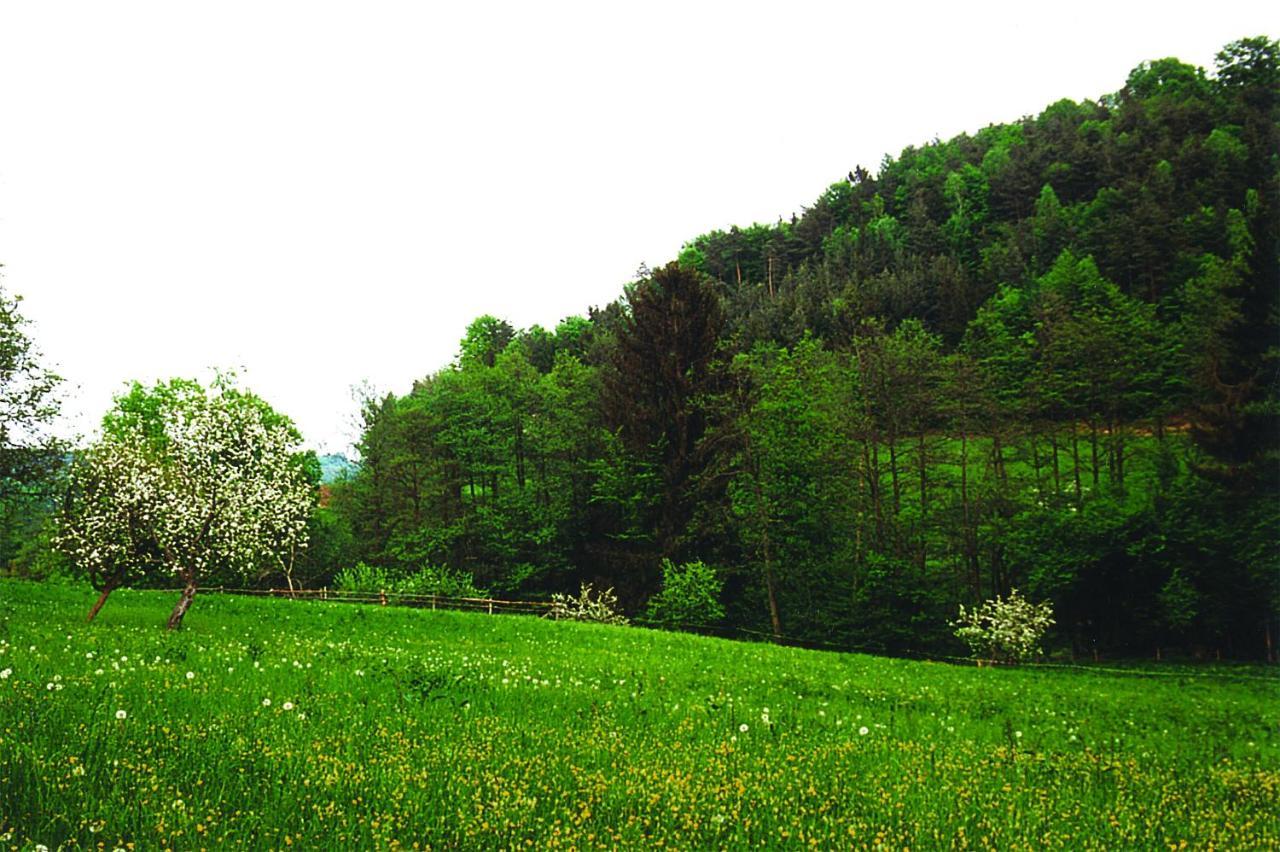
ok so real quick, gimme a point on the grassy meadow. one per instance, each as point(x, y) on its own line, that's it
point(271, 724)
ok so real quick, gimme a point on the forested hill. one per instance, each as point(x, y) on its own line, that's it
point(1043, 356)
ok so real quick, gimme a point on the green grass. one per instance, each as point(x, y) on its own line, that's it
point(394, 727)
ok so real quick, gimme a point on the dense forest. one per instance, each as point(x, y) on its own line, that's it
point(1043, 356)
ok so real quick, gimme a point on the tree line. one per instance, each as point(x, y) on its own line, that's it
point(1038, 357)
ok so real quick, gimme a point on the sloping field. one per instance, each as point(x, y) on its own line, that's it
point(275, 723)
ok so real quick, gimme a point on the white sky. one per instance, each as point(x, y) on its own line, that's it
point(323, 193)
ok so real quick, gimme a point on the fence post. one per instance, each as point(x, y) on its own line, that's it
point(382, 597)
point(491, 607)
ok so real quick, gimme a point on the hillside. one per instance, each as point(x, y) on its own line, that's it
point(275, 723)
point(1035, 357)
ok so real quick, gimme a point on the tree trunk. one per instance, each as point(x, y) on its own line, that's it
point(1057, 470)
point(111, 585)
point(184, 602)
point(1093, 445)
point(1118, 438)
point(922, 460)
point(893, 473)
point(970, 540)
point(1035, 464)
point(1075, 459)
point(773, 596)
point(871, 457)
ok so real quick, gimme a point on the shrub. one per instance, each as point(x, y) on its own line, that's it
point(363, 578)
point(1005, 630)
point(439, 580)
point(690, 595)
point(600, 607)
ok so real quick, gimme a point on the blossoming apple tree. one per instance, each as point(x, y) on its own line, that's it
point(187, 483)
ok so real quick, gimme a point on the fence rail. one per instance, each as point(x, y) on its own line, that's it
point(490, 605)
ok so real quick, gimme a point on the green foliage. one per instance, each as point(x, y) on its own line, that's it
point(428, 580)
point(689, 596)
point(1039, 356)
point(439, 580)
point(363, 579)
point(31, 459)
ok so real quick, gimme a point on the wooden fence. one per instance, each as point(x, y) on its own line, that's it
point(490, 605)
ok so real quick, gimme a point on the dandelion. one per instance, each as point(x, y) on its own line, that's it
point(743, 728)
point(288, 705)
point(1017, 734)
point(4, 675)
point(191, 675)
point(120, 714)
point(863, 731)
point(266, 702)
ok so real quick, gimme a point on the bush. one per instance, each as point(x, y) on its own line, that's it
point(430, 580)
point(367, 579)
point(600, 607)
point(1005, 630)
point(690, 595)
point(439, 580)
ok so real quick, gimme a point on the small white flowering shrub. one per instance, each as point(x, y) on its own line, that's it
point(600, 607)
point(1007, 630)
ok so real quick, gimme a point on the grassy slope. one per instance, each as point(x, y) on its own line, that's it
point(453, 729)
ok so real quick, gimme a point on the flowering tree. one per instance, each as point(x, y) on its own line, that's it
point(1006, 630)
point(106, 528)
point(187, 483)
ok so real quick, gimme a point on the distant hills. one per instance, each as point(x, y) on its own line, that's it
point(335, 467)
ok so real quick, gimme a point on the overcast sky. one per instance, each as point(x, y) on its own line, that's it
point(327, 193)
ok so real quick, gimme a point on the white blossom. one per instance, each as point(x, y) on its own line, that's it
point(209, 485)
point(1003, 629)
